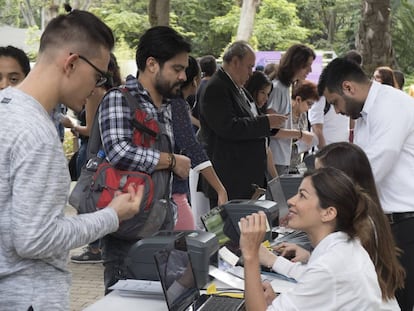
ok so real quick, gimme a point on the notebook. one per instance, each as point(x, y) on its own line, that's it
point(180, 287)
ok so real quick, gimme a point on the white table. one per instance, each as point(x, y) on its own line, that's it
point(115, 302)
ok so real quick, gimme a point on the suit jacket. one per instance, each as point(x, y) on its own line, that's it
point(235, 139)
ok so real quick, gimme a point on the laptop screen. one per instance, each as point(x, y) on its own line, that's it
point(274, 192)
point(177, 278)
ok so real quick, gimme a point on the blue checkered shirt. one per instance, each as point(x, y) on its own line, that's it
point(117, 131)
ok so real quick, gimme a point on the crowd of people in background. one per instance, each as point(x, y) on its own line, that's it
point(232, 128)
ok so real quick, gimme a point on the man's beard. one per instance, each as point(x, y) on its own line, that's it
point(165, 90)
point(353, 107)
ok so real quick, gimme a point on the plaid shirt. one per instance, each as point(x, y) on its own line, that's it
point(117, 131)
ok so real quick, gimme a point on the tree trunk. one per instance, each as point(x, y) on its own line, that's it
point(246, 24)
point(159, 12)
point(373, 40)
point(331, 25)
point(27, 12)
point(48, 13)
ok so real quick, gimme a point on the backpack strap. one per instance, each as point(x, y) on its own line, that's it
point(133, 105)
point(326, 108)
point(95, 141)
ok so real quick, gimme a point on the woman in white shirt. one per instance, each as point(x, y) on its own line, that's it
point(339, 274)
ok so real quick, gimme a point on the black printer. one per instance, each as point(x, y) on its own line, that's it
point(201, 246)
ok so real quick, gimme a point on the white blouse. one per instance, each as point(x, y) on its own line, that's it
point(338, 276)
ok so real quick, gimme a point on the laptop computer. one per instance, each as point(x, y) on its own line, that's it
point(180, 287)
point(274, 192)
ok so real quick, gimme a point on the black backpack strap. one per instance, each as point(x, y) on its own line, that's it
point(133, 105)
point(326, 108)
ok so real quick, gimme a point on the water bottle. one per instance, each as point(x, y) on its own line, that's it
point(94, 162)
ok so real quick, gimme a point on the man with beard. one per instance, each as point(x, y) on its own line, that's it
point(161, 57)
point(385, 131)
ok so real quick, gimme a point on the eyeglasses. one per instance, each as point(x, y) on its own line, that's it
point(103, 76)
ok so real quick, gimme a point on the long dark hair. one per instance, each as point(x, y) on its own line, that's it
point(193, 70)
point(257, 81)
point(377, 238)
point(295, 58)
point(334, 188)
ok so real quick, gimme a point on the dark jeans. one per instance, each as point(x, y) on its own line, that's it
point(114, 252)
point(404, 236)
point(81, 159)
point(95, 244)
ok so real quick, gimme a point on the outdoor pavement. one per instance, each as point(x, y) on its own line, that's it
point(87, 279)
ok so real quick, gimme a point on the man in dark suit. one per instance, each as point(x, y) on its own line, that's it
point(233, 131)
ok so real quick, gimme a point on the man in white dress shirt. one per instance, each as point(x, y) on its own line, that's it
point(385, 131)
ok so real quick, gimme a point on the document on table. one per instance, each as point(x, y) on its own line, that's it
point(132, 287)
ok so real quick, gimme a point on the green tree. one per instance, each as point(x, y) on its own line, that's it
point(374, 37)
point(193, 19)
point(276, 25)
point(332, 23)
point(403, 35)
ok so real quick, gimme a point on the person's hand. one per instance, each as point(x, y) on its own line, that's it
point(297, 253)
point(127, 204)
point(182, 166)
point(266, 257)
point(253, 230)
point(276, 120)
point(66, 122)
point(307, 137)
point(222, 197)
point(269, 293)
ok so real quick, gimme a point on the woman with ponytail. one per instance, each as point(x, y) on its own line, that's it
point(339, 274)
point(377, 239)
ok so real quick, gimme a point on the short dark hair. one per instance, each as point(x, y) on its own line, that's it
point(208, 65)
point(114, 72)
point(399, 78)
point(306, 90)
point(336, 72)
point(354, 56)
point(19, 55)
point(162, 43)
point(237, 49)
point(295, 58)
point(192, 71)
point(77, 26)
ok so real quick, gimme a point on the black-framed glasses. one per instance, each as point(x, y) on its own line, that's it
point(103, 76)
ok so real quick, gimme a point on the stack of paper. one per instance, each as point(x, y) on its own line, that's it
point(131, 288)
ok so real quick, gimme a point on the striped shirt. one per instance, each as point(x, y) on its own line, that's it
point(117, 131)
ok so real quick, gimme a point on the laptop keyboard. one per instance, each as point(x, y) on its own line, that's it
point(222, 303)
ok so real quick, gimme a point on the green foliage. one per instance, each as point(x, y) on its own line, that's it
point(403, 36)
point(277, 26)
point(194, 18)
point(126, 24)
point(211, 24)
point(332, 23)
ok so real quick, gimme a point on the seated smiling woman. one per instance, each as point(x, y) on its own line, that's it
point(339, 274)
